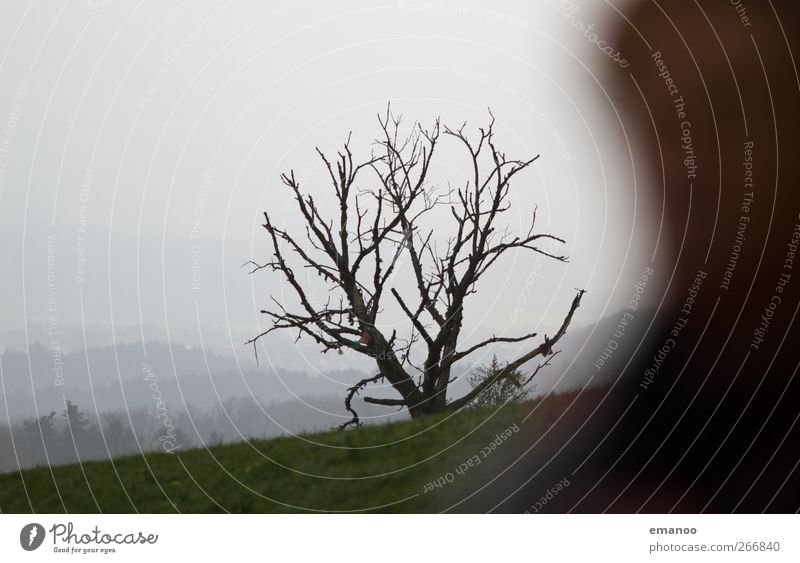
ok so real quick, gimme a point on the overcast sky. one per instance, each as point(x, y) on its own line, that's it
point(141, 138)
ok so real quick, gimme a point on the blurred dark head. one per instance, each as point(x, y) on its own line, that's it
point(733, 74)
point(711, 94)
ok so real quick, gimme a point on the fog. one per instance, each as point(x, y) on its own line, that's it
point(141, 143)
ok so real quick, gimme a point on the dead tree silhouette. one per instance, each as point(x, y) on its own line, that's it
point(355, 251)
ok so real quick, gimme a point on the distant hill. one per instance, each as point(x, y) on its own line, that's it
point(212, 399)
point(111, 379)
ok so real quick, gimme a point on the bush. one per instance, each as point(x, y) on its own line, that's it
point(510, 389)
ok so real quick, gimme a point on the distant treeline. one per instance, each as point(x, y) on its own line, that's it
point(75, 434)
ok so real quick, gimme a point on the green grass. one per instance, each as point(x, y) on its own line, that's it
point(379, 468)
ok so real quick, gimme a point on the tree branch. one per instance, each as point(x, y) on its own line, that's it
point(349, 398)
point(545, 348)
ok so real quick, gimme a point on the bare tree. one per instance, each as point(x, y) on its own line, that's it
point(382, 204)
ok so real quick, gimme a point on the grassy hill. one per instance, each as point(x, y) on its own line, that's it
point(380, 468)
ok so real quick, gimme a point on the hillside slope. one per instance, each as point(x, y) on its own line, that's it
point(386, 468)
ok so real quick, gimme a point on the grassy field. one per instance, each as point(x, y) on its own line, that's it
point(377, 468)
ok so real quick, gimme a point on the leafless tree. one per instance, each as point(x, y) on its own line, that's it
point(381, 204)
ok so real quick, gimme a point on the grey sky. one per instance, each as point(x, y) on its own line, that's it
point(139, 141)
